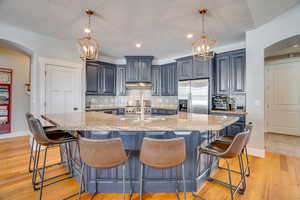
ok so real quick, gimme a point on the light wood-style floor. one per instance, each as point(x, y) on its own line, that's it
point(276, 177)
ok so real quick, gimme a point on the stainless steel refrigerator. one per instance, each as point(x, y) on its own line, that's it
point(194, 95)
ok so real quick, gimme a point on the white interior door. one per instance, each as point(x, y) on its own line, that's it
point(283, 98)
point(63, 89)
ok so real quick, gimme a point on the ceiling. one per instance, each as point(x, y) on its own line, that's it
point(160, 26)
point(284, 47)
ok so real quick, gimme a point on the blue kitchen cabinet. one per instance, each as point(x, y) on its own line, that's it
point(169, 83)
point(100, 78)
point(138, 68)
point(121, 80)
point(230, 73)
point(156, 80)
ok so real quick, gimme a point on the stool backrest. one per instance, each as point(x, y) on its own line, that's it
point(39, 132)
point(28, 116)
point(102, 153)
point(237, 145)
point(163, 153)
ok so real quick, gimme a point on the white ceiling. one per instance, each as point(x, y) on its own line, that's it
point(160, 25)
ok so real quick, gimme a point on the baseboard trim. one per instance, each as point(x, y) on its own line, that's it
point(14, 134)
point(256, 152)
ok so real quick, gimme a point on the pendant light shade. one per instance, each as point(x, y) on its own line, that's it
point(89, 48)
point(202, 48)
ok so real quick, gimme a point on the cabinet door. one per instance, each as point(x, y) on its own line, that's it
point(201, 69)
point(145, 70)
point(156, 80)
point(91, 78)
point(108, 80)
point(121, 81)
point(185, 69)
point(132, 70)
point(238, 63)
point(173, 84)
point(164, 81)
point(222, 75)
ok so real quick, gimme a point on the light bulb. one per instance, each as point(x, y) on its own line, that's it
point(87, 30)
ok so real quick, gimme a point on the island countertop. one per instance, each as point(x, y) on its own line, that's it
point(109, 122)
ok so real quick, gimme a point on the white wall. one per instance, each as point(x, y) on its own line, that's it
point(20, 64)
point(282, 27)
point(39, 46)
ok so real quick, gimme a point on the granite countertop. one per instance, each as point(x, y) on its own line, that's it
point(117, 107)
point(102, 121)
point(237, 112)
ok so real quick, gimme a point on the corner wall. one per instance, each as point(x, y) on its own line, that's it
point(282, 27)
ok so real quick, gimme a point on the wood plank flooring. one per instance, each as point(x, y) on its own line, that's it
point(276, 177)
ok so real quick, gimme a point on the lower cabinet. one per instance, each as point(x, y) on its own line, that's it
point(118, 111)
point(157, 111)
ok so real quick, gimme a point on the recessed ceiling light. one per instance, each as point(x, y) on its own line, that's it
point(190, 35)
point(296, 45)
point(138, 45)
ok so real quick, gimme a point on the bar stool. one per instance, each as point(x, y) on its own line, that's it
point(229, 151)
point(162, 154)
point(102, 154)
point(228, 139)
point(48, 130)
point(45, 140)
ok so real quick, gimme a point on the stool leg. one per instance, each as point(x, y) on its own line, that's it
point(141, 181)
point(229, 179)
point(248, 163)
point(43, 172)
point(31, 156)
point(36, 165)
point(242, 170)
point(177, 184)
point(123, 181)
point(81, 178)
point(183, 179)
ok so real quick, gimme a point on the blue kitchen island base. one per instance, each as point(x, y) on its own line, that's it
point(155, 181)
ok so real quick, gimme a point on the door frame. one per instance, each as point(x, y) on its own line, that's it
point(269, 64)
point(67, 64)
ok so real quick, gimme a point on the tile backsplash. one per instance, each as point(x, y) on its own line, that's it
point(132, 95)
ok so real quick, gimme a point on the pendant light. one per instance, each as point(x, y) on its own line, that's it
point(88, 46)
point(202, 48)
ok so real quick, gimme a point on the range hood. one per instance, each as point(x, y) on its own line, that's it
point(139, 85)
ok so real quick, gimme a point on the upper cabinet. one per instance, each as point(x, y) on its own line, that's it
point(92, 78)
point(100, 78)
point(222, 68)
point(156, 80)
point(169, 83)
point(138, 68)
point(121, 80)
point(201, 69)
point(230, 70)
point(192, 69)
point(107, 79)
point(238, 73)
point(185, 68)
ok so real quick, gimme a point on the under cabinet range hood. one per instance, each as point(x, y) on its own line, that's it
point(139, 85)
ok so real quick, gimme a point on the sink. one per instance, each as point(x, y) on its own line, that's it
point(145, 119)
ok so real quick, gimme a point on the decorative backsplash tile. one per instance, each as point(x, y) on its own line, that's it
point(132, 95)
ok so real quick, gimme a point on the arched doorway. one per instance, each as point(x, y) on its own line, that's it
point(18, 59)
point(282, 97)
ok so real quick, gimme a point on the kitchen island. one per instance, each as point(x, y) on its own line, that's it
point(195, 128)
